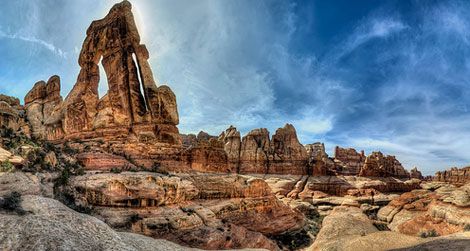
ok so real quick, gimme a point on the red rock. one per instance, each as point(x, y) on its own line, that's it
point(378, 165)
point(416, 174)
point(104, 162)
point(349, 160)
point(455, 176)
point(149, 115)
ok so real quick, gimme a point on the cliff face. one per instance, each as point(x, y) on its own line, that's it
point(378, 165)
point(349, 161)
point(205, 211)
point(258, 153)
point(455, 176)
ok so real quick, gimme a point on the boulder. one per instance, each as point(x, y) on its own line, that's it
point(49, 225)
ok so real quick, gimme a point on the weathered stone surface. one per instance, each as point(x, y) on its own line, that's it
point(318, 161)
point(8, 156)
point(416, 174)
point(378, 165)
point(254, 152)
point(348, 160)
point(232, 146)
point(26, 183)
point(445, 210)
point(12, 101)
point(207, 211)
point(454, 175)
point(104, 162)
point(49, 225)
point(11, 113)
point(347, 228)
point(344, 226)
point(40, 102)
point(288, 155)
point(282, 154)
point(114, 41)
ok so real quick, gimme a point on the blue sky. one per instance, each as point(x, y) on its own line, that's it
point(388, 75)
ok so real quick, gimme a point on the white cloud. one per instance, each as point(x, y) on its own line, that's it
point(52, 48)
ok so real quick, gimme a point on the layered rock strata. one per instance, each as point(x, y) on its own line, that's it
point(455, 176)
point(12, 114)
point(442, 208)
point(378, 165)
point(348, 160)
point(206, 211)
point(40, 102)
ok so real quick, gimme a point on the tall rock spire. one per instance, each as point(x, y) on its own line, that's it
point(133, 100)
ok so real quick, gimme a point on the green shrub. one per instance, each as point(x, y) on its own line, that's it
point(6, 166)
point(466, 228)
point(12, 203)
point(115, 170)
point(428, 233)
point(134, 218)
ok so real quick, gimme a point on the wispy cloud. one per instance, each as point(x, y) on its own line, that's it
point(30, 39)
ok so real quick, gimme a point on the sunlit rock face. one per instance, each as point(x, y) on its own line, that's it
point(11, 113)
point(40, 102)
point(133, 102)
point(379, 165)
point(455, 176)
point(210, 211)
point(348, 160)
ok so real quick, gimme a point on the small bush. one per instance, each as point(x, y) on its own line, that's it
point(134, 218)
point(466, 228)
point(428, 233)
point(115, 170)
point(12, 202)
point(188, 211)
point(7, 166)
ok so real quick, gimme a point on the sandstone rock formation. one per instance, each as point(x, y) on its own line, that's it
point(347, 228)
point(49, 225)
point(416, 174)
point(318, 161)
point(349, 160)
point(455, 176)
point(256, 152)
point(40, 102)
point(206, 211)
point(443, 209)
point(232, 146)
point(12, 114)
point(114, 41)
point(288, 155)
point(378, 165)
point(104, 162)
point(337, 185)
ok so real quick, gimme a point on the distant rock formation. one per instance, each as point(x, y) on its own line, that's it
point(256, 152)
point(318, 161)
point(12, 114)
point(455, 176)
point(151, 115)
point(378, 165)
point(348, 160)
point(416, 174)
point(40, 102)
